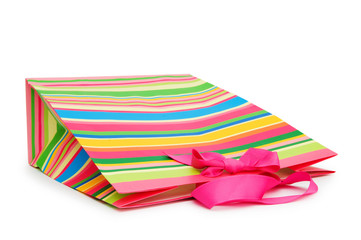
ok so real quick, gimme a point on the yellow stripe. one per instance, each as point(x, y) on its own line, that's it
point(91, 183)
point(109, 196)
point(186, 106)
point(60, 145)
point(156, 121)
point(208, 137)
point(176, 85)
point(157, 98)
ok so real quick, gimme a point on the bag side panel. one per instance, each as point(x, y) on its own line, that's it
point(56, 152)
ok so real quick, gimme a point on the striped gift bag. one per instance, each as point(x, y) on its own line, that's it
point(112, 137)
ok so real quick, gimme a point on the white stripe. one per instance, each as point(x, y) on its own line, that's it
point(176, 85)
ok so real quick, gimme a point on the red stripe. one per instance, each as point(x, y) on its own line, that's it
point(99, 186)
point(71, 160)
point(182, 150)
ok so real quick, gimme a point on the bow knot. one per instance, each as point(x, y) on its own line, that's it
point(242, 187)
point(214, 163)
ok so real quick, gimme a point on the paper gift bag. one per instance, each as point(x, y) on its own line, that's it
point(117, 138)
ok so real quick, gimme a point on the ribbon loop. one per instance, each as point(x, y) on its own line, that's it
point(245, 187)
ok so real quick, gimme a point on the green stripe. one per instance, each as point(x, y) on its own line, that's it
point(298, 150)
point(260, 143)
point(61, 156)
point(292, 144)
point(146, 174)
point(225, 151)
point(114, 193)
point(138, 175)
point(100, 87)
point(143, 168)
point(142, 104)
point(101, 190)
point(46, 126)
point(169, 132)
point(113, 197)
point(273, 149)
point(45, 154)
point(129, 160)
point(164, 92)
point(107, 80)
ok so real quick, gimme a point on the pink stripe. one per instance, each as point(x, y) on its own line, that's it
point(58, 153)
point(29, 122)
point(146, 106)
point(41, 124)
point(135, 107)
point(274, 145)
point(211, 147)
point(114, 83)
point(195, 97)
point(144, 185)
point(318, 155)
point(37, 123)
point(68, 152)
point(105, 77)
point(98, 187)
point(68, 164)
point(181, 192)
point(135, 205)
point(86, 172)
point(146, 126)
point(154, 184)
point(287, 142)
point(175, 163)
point(138, 165)
point(57, 117)
point(139, 196)
point(105, 193)
point(122, 111)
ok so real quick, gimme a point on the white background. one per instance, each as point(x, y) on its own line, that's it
point(300, 60)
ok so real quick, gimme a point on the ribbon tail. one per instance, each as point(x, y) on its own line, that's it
point(249, 188)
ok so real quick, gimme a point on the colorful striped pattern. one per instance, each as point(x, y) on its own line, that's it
point(121, 127)
point(57, 153)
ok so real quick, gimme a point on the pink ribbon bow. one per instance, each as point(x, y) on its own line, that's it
point(252, 176)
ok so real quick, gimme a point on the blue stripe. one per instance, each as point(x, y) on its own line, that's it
point(76, 114)
point(77, 163)
point(175, 134)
